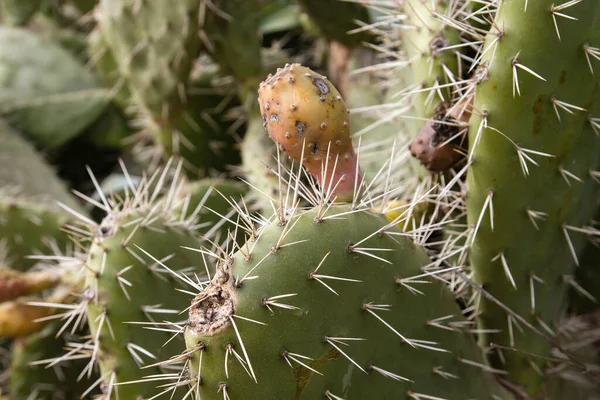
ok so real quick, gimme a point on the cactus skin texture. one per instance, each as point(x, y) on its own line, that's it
point(523, 244)
point(311, 312)
point(154, 43)
point(109, 257)
point(308, 119)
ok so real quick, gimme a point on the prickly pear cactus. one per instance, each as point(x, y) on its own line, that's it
point(130, 291)
point(530, 190)
point(326, 306)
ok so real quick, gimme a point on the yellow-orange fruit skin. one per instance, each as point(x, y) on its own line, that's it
point(308, 119)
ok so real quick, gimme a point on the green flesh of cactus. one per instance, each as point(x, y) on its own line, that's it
point(45, 91)
point(533, 240)
point(115, 248)
point(285, 310)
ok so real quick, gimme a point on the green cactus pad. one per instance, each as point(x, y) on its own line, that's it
point(278, 324)
point(426, 46)
point(154, 43)
point(231, 31)
point(106, 67)
point(260, 166)
point(130, 286)
point(28, 229)
point(535, 105)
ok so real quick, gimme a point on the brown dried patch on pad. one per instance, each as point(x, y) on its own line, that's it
point(211, 310)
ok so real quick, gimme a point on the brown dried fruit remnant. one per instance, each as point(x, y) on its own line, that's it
point(441, 142)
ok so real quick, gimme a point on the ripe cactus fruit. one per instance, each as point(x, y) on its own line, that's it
point(530, 190)
point(309, 310)
point(308, 119)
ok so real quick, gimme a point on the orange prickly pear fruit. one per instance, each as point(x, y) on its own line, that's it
point(306, 116)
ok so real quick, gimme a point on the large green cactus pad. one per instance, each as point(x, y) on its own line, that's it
point(278, 324)
point(535, 106)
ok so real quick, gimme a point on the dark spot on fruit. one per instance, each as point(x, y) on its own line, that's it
point(265, 117)
point(274, 118)
point(300, 126)
point(321, 85)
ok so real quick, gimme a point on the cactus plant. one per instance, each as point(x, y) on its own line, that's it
point(461, 166)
